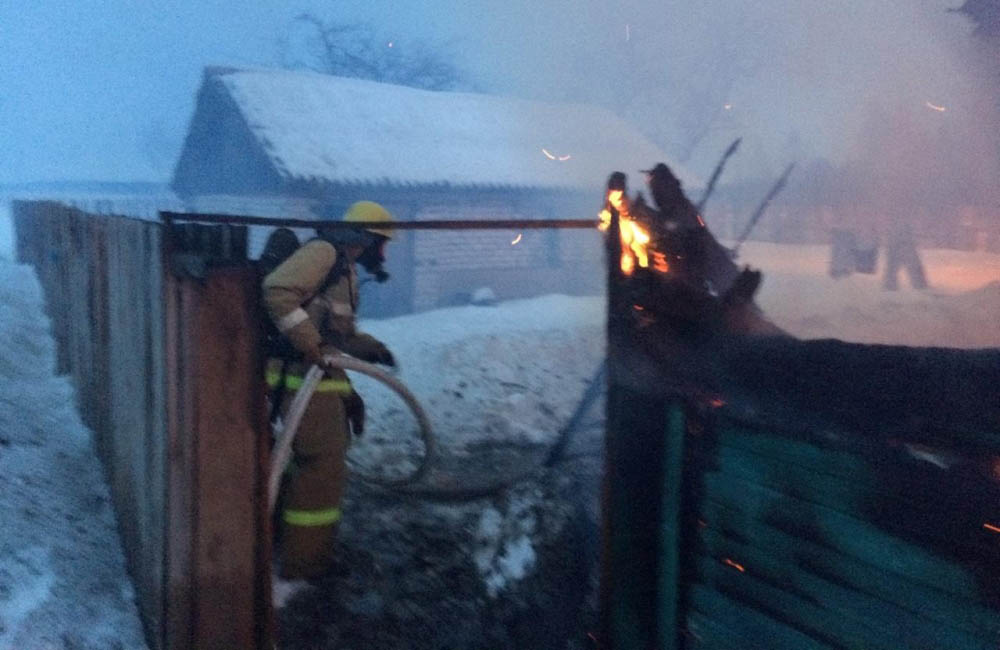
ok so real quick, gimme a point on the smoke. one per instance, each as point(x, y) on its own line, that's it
point(854, 83)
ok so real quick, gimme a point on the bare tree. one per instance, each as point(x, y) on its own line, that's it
point(356, 50)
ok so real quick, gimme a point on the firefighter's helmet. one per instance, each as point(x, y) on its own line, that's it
point(370, 212)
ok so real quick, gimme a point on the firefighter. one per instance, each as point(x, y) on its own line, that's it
point(312, 297)
point(901, 251)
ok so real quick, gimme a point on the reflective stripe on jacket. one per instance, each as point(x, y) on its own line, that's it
point(310, 518)
point(294, 382)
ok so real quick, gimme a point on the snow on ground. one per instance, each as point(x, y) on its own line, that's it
point(507, 375)
point(62, 571)
point(503, 375)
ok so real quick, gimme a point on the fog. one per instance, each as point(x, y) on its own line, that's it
point(889, 108)
point(104, 89)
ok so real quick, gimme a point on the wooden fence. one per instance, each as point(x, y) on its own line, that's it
point(157, 346)
point(809, 495)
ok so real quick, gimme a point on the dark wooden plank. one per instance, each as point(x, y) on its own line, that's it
point(850, 536)
point(705, 633)
point(756, 629)
point(822, 607)
point(789, 609)
point(671, 528)
point(917, 600)
point(927, 504)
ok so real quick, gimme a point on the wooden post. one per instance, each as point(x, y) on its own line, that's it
point(641, 604)
point(218, 552)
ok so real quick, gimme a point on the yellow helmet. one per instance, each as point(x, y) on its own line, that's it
point(370, 212)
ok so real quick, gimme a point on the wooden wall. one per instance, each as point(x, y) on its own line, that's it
point(168, 380)
point(804, 543)
point(102, 278)
point(728, 533)
point(786, 495)
point(772, 493)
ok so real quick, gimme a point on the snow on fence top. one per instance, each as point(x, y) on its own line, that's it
point(317, 127)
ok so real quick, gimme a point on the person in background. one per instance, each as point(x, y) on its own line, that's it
point(901, 251)
point(312, 298)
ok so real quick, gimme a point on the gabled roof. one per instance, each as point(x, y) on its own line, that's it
point(319, 128)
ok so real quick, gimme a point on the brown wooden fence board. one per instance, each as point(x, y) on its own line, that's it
point(180, 466)
point(177, 417)
point(225, 542)
point(101, 281)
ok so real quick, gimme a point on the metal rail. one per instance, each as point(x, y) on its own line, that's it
point(437, 224)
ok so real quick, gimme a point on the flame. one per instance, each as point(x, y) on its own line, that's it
point(605, 217)
point(660, 262)
point(634, 238)
point(516, 239)
point(940, 109)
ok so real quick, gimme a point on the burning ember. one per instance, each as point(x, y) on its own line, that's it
point(635, 238)
point(940, 109)
point(552, 156)
point(516, 239)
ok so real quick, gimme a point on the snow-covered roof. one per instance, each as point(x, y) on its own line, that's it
point(318, 127)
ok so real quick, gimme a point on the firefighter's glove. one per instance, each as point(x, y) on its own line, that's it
point(354, 406)
point(381, 354)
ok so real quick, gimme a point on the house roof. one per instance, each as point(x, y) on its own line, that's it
point(320, 128)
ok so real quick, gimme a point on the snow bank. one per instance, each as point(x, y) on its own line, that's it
point(505, 552)
point(62, 571)
point(507, 375)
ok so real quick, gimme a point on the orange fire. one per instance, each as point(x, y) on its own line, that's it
point(635, 238)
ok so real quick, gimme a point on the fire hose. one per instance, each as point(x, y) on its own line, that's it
point(283, 449)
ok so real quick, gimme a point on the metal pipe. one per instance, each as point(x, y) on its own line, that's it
point(437, 224)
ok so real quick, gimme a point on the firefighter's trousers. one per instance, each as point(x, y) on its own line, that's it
point(314, 487)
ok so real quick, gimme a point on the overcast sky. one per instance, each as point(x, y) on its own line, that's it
point(104, 89)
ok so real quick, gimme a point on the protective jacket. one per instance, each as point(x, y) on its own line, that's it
point(315, 311)
point(312, 297)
